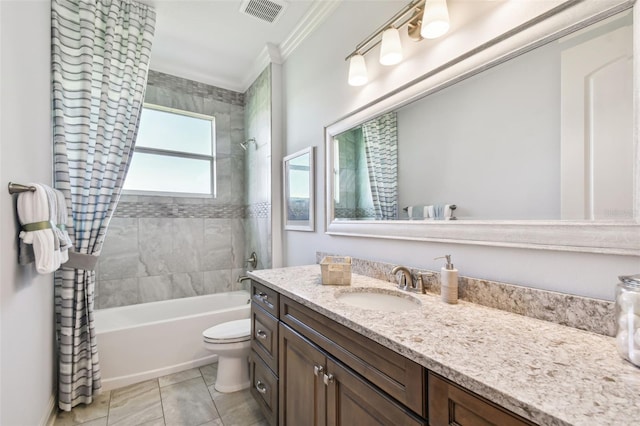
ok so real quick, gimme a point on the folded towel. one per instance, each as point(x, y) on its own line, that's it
point(34, 211)
point(61, 220)
point(52, 199)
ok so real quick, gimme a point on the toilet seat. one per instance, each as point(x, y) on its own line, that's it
point(229, 332)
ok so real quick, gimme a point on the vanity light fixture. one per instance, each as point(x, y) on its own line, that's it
point(357, 70)
point(424, 19)
point(391, 47)
point(435, 21)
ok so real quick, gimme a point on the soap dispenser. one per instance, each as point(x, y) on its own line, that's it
point(448, 281)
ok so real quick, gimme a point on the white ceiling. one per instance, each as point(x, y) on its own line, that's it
point(211, 41)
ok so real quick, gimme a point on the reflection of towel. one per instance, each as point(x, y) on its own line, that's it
point(420, 212)
point(448, 211)
point(35, 216)
point(431, 212)
point(442, 211)
point(416, 212)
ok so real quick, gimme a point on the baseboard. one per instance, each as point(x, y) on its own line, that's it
point(49, 416)
point(120, 381)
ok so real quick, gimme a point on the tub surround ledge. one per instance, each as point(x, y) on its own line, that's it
point(548, 373)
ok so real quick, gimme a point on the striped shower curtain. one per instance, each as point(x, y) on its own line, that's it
point(100, 59)
point(381, 149)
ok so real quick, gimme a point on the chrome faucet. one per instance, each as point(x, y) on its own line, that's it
point(242, 278)
point(406, 280)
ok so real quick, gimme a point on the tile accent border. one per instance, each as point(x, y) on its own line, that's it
point(258, 210)
point(584, 313)
point(178, 210)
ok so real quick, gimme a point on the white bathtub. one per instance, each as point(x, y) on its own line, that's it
point(149, 340)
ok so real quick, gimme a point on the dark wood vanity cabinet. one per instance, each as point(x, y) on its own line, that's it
point(449, 404)
point(317, 389)
point(263, 361)
point(307, 369)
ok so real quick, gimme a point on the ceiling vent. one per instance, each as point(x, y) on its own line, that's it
point(264, 10)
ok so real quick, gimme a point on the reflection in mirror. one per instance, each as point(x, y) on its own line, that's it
point(366, 170)
point(298, 172)
point(545, 136)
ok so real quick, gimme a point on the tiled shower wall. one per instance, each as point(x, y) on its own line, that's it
point(160, 248)
point(258, 169)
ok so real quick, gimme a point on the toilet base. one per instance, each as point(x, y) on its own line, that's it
point(233, 374)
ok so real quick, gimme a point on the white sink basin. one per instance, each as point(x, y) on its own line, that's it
point(378, 299)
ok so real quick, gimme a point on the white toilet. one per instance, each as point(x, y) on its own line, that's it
point(232, 342)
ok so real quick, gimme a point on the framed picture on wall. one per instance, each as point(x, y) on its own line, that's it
point(298, 171)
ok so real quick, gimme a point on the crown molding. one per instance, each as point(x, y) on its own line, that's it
point(316, 15)
point(271, 53)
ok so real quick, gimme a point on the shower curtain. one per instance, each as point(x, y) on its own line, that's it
point(381, 149)
point(100, 59)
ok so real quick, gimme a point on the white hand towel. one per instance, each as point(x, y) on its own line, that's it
point(65, 239)
point(34, 207)
point(52, 199)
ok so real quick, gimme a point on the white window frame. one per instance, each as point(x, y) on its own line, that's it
point(181, 154)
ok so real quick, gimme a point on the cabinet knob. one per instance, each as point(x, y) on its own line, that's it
point(261, 387)
point(263, 296)
point(328, 379)
point(318, 369)
point(260, 334)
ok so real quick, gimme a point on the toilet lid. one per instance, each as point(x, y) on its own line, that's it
point(229, 332)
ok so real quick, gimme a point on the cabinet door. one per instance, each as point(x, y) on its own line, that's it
point(351, 401)
point(302, 390)
point(452, 405)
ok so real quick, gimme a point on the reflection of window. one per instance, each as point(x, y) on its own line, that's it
point(336, 171)
point(174, 153)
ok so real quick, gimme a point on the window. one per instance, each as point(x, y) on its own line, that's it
point(174, 153)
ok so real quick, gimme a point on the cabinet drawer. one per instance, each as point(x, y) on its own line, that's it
point(264, 387)
point(450, 404)
point(264, 336)
point(264, 297)
point(396, 375)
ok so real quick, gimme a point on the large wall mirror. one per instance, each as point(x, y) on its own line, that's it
point(536, 151)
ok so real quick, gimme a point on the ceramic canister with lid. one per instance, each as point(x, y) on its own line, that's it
point(628, 318)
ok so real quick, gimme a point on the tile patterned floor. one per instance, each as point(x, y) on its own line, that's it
point(186, 398)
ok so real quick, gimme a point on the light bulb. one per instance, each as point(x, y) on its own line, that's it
point(357, 71)
point(435, 21)
point(391, 48)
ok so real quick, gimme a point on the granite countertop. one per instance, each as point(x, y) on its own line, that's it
point(548, 373)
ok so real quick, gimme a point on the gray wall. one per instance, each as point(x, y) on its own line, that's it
point(490, 144)
point(160, 248)
point(27, 348)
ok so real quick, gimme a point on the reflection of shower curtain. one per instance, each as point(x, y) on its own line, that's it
point(381, 147)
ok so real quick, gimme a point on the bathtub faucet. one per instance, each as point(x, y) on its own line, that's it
point(242, 278)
